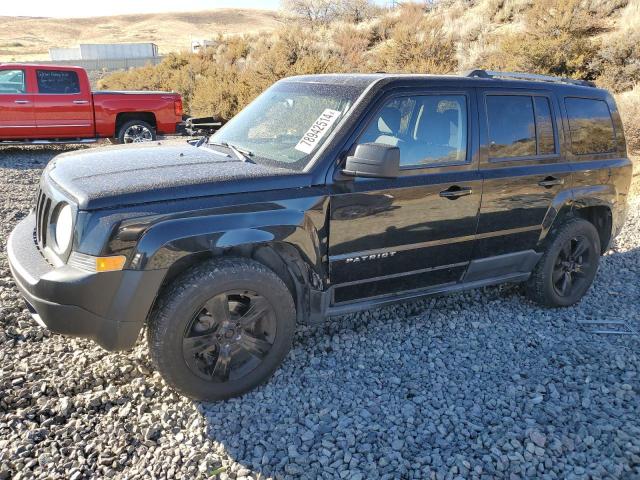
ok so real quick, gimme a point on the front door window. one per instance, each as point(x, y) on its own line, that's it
point(429, 130)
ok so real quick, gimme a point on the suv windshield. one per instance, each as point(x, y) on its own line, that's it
point(287, 124)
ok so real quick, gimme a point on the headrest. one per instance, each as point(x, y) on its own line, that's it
point(435, 125)
point(389, 121)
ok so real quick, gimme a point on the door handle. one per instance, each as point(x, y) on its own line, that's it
point(549, 182)
point(22, 102)
point(81, 102)
point(455, 191)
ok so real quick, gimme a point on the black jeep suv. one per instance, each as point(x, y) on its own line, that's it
point(326, 195)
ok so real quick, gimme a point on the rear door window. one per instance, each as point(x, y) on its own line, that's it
point(12, 82)
point(58, 81)
point(512, 129)
point(520, 126)
point(590, 125)
point(544, 126)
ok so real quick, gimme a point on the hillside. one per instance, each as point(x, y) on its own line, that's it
point(29, 38)
point(589, 39)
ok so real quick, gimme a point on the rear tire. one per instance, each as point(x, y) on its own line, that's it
point(136, 131)
point(568, 266)
point(221, 328)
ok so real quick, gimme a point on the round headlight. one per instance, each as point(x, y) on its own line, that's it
point(64, 229)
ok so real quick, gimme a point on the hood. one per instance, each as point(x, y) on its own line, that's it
point(132, 174)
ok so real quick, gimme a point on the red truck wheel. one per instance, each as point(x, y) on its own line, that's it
point(136, 131)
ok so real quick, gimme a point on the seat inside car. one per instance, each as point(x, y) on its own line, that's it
point(435, 134)
point(388, 128)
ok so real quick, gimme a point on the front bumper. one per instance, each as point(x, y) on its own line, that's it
point(108, 307)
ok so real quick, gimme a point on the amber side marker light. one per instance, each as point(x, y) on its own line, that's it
point(109, 264)
point(90, 263)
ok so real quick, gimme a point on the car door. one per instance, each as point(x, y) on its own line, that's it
point(63, 105)
point(414, 232)
point(522, 168)
point(17, 120)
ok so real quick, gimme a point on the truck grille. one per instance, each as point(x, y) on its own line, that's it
point(43, 216)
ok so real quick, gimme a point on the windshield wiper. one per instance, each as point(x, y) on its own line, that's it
point(202, 140)
point(240, 153)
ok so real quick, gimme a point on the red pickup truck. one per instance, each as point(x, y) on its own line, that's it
point(55, 104)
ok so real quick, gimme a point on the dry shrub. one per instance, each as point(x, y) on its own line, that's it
point(383, 28)
point(350, 46)
point(226, 86)
point(420, 47)
point(605, 7)
point(618, 61)
point(557, 37)
point(510, 9)
point(558, 40)
point(410, 13)
point(629, 106)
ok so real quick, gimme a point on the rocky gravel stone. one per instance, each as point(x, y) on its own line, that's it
point(481, 384)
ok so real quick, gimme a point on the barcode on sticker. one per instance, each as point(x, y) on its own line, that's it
point(318, 130)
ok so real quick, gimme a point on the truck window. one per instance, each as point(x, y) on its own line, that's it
point(590, 125)
point(12, 82)
point(428, 129)
point(544, 126)
point(512, 130)
point(57, 81)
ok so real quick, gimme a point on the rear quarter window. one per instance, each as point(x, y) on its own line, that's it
point(590, 125)
point(57, 81)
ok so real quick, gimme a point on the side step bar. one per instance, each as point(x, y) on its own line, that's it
point(366, 304)
point(78, 141)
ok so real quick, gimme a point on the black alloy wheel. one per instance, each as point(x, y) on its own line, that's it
point(573, 264)
point(568, 265)
point(221, 328)
point(229, 336)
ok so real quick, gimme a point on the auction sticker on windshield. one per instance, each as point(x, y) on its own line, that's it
point(320, 127)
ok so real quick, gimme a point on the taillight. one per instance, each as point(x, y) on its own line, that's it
point(177, 106)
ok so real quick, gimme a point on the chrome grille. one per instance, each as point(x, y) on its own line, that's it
point(43, 216)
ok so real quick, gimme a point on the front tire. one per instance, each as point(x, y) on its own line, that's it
point(136, 131)
point(568, 266)
point(221, 329)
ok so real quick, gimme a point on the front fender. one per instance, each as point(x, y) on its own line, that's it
point(168, 241)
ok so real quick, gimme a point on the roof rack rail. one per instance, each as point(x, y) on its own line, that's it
point(526, 76)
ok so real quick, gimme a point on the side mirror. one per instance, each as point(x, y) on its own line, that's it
point(373, 160)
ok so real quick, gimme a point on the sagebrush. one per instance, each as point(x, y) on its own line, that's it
point(594, 40)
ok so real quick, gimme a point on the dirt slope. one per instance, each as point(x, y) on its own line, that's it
point(29, 38)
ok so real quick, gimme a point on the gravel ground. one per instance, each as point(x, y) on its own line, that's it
point(476, 385)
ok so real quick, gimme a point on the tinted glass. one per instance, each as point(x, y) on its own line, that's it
point(591, 126)
point(428, 129)
point(544, 126)
point(12, 81)
point(512, 131)
point(58, 81)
